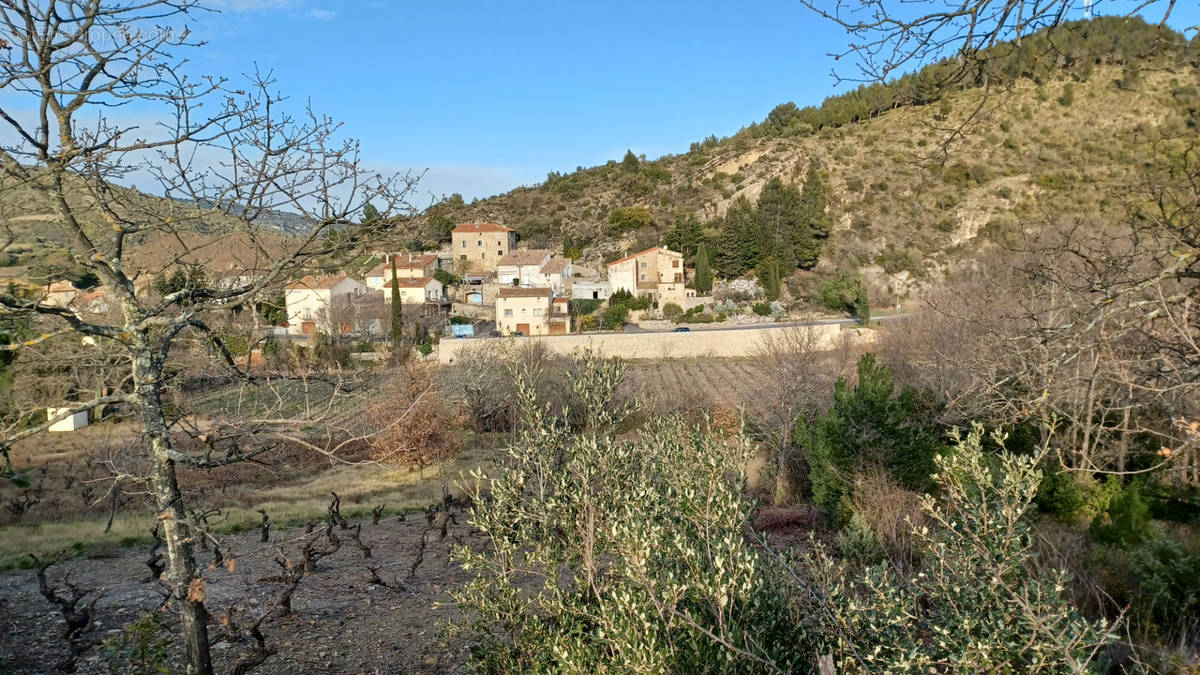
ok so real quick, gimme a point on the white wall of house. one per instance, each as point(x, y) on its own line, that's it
point(74, 422)
point(310, 305)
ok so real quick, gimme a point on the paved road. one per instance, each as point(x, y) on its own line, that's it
point(631, 328)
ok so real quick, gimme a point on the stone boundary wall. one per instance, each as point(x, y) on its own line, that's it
point(715, 343)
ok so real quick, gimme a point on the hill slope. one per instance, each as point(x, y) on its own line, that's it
point(905, 209)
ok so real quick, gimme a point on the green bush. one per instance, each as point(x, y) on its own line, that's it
point(614, 316)
point(975, 599)
point(671, 310)
point(628, 218)
point(762, 308)
point(1126, 521)
point(868, 424)
point(1074, 497)
point(447, 278)
point(627, 556)
point(459, 320)
point(584, 306)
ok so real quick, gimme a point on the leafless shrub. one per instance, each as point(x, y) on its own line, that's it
point(78, 618)
point(891, 511)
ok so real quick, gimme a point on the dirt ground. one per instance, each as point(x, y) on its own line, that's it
point(341, 621)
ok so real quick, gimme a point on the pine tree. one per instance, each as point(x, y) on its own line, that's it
point(813, 225)
point(397, 312)
point(630, 161)
point(739, 243)
point(703, 271)
point(370, 214)
point(779, 215)
point(685, 235)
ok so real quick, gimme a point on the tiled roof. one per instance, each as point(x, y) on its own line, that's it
point(62, 286)
point(403, 262)
point(482, 227)
point(530, 256)
point(316, 282)
point(524, 292)
point(556, 265)
point(631, 257)
point(419, 282)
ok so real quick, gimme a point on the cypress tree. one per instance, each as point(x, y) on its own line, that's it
point(397, 312)
point(772, 279)
point(703, 272)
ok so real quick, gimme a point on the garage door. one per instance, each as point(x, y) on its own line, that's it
point(558, 329)
point(523, 328)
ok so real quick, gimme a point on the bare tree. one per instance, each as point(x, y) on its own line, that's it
point(224, 157)
point(886, 38)
point(796, 381)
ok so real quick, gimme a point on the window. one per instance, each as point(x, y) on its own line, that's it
point(644, 264)
point(537, 311)
point(643, 277)
point(464, 243)
point(508, 312)
point(483, 255)
point(306, 314)
point(479, 243)
point(463, 257)
point(674, 263)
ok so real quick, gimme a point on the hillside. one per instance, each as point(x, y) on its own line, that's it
point(39, 249)
point(909, 197)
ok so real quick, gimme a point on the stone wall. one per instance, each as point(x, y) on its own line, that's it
point(695, 344)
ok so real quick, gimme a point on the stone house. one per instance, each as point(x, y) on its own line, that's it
point(481, 245)
point(656, 273)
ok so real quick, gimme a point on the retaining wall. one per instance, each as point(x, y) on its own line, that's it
point(695, 344)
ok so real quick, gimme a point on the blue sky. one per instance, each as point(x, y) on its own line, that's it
point(491, 95)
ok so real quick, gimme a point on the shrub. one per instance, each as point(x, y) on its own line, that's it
point(584, 306)
point(671, 310)
point(447, 278)
point(975, 599)
point(628, 218)
point(1126, 521)
point(459, 320)
point(762, 308)
point(623, 556)
point(614, 316)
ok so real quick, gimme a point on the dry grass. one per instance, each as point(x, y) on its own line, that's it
point(360, 487)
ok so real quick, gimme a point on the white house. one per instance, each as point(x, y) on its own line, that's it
point(416, 290)
point(523, 266)
point(408, 266)
point(311, 302)
point(533, 268)
point(73, 422)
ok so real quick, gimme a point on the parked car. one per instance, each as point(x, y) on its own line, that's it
point(682, 329)
point(495, 333)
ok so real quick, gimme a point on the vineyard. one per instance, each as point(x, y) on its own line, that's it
point(692, 384)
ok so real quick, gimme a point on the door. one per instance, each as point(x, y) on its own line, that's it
point(523, 328)
point(558, 328)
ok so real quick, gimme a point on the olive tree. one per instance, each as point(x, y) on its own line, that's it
point(224, 158)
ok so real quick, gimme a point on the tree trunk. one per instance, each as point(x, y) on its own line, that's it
point(187, 589)
point(785, 480)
